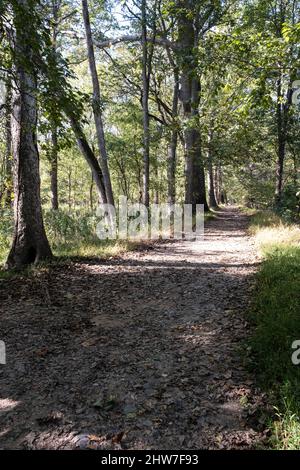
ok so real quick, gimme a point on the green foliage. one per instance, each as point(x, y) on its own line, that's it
point(6, 228)
point(275, 317)
point(71, 234)
point(289, 204)
point(63, 227)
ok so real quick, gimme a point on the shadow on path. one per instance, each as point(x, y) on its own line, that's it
point(138, 352)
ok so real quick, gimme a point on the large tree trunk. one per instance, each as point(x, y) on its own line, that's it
point(97, 106)
point(190, 96)
point(30, 243)
point(54, 169)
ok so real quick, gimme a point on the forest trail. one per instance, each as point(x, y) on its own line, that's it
point(138, 352)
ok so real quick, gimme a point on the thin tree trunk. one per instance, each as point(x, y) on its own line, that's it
point(295, 170)
point(211, 191)
point(145, 99)
point(212, 194)
point(91, 195)
point(156, 191)
point(281, 142)
point(283, 109)
point(222, 198)
point(54, 141)
point(8, 150)
point(173, 143)
point(54, 169)
point(89, 157)
point(216, 184)
point(70, 190)
point(172, 148)
point(30, 243)
point(97, 106)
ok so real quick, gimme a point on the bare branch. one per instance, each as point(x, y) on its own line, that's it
point(132, 38)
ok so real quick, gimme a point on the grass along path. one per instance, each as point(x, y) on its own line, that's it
point(276, 317)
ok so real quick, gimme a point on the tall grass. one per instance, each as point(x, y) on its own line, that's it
point(70, 235)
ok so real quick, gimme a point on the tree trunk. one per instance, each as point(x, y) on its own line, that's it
point(70, 190)
point(220, 191)
point(97, 106)
point(89, 157)
point(211, 191)
point(279, 169)
point(156, 191)
point(216, 184)
point(190, 97)
point(283, 109)
point(295, 170)
point(145, 99)
point(91, 195)
point(30, 244)
point(8, 155)
point(212, 195)
point(54, 141)
point(53, 171)
point(172, 147)
point(281, 144)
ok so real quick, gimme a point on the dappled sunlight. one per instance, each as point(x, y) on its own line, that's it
point(279, 234)
point(7, 404)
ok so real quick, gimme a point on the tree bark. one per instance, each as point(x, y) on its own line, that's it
point(190, 96)
point(89, 157)
point(212, 195)
point(8, 149)
point(217, 184)
point(30, 244)
point(281, 145)
point(172, 147)
point(54, 169)
point(211, 191)
point(145, 100)
point(54, 140)
point(97, 106)
point(91, 194)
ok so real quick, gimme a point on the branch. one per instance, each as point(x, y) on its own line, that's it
point(133, 38)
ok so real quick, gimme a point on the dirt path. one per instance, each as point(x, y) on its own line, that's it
point(141, 352)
